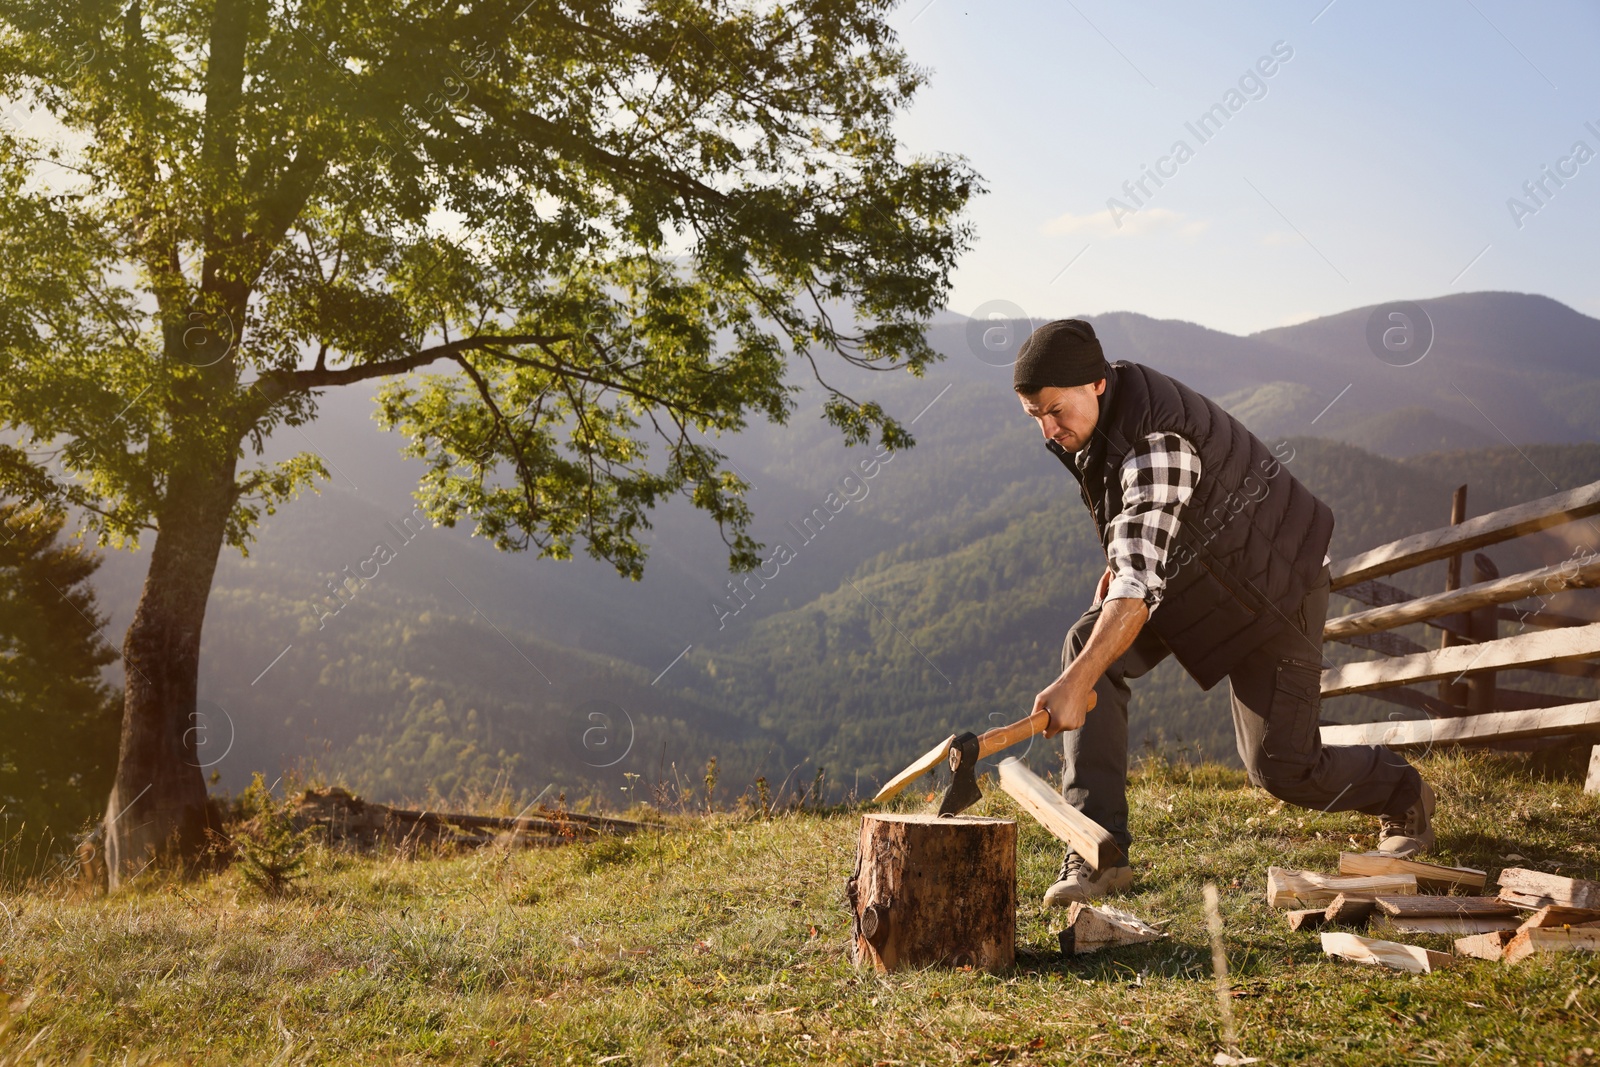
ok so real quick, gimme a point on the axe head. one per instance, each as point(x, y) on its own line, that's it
point(963, 791)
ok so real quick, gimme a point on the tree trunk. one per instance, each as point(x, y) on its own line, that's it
point(932, 890)
point(158, 807)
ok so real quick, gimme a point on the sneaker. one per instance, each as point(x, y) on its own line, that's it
point(1079, 882)
point(1406, 835)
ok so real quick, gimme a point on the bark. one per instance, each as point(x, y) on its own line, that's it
point(158, 808)
point(932, 891)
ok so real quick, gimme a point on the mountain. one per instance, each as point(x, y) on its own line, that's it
point(932, 594)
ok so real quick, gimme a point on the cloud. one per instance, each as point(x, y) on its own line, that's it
point(1134, 224)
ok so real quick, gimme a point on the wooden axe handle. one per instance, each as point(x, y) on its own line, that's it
point(992, 741)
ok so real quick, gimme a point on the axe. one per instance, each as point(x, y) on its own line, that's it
point(964, 751)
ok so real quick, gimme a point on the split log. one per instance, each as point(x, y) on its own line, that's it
point(1556, 915)
point(1488, 946)
point(1303, 889)
point(935, 891)
point(1537, 940)
point(1454, 926)
point(1591, 784)
point(1470, 729)
point(1035, 796)
point(1350, 909)
point(1535, 889)
point(1430, 876)
point(1307, 918)
point(1429, 906)
point(1358, 949)
point(1090, 929)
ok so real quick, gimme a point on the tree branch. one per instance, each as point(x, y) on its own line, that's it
point(282, 383)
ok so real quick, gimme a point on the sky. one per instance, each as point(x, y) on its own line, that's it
point(1377, 161)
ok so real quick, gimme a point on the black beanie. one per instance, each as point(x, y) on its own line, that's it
point(1060, 353)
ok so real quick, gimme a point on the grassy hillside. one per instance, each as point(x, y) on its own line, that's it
point(722, 941)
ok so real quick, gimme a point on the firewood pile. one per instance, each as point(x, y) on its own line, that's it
point(350, 822)
point(1383, 895)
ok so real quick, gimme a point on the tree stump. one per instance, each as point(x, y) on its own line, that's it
point(930, 890)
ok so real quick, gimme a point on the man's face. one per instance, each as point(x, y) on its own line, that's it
point(1066, 415)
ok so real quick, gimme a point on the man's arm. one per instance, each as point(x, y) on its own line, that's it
point(1067, 698)
point(1158, 478)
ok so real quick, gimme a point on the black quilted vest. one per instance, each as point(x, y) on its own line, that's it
point(1251, 540)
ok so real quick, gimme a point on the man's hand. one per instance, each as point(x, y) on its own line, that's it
point(1067, 701)
point(1067, 698)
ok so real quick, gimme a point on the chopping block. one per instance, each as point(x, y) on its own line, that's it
point(934, 890)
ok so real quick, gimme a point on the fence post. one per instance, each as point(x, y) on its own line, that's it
point(1454, 694)
point(1482, 625)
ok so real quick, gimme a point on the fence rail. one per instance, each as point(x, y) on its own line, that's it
point(1469, 709)
point(1472, 534)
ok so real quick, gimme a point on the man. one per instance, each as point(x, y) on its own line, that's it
point(1215, 555)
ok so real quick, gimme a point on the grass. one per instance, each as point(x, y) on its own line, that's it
point(724, 941)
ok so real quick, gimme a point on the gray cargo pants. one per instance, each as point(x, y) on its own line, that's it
point(1276, 697)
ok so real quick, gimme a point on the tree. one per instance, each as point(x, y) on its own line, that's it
point(597, 225)
point(58, 718)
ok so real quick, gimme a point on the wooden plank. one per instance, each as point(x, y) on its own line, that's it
point(1307, 918)
point(1449, 925)
point(1288, 888)
point(1556, 915)
point(1380, 594)
point(1522, 650)
point(1424, 906)
point(1484, 530)
point(1088, 838)
point(1428, 875)
point(1469, 729)
point(1591, 784)
point(1350, 909)
point(1370, 950)
point(1549, 888)
point(1572, 574)
point(1484, 946)
point(1535, 940)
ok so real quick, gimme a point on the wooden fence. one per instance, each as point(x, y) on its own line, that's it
point(1469, 708)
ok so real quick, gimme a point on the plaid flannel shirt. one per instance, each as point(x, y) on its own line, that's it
point(1158, 478)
